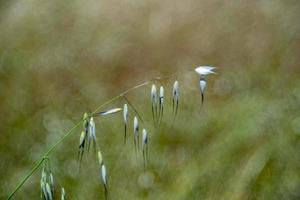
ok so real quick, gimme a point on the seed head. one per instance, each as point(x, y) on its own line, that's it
point(161, 93)
point(135, 125)
point(43, 183)
point(92, 129)
point(175, 97)
point(103, 174)
point(100, 158)
point(153, 95)
point(111, 111)
point(125, 113)
point(51, 182)
point(49, 192)
point(144, 138)
point(202, 84)
point(63, 194)
point(205, 70)
point(175, 91)
point(82, 139)
point(86, 122)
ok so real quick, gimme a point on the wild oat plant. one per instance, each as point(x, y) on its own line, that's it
point(88, 138)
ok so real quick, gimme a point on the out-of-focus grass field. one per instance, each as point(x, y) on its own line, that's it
point(59, 59)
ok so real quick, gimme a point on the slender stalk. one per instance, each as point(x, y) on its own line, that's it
point(34, 168)
point(68, 133)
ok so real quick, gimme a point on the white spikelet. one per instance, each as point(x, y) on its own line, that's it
point(161, 94)
point(125, 113)
point(205, 70)
point(48, 192)
point(111, 111)
point(125, 117)
point(176, 91)
point(175, 95)
point(136, 132)
point(100, 159)
point(104, 175)
point(63, 194)
point(92, 129)
point(153, 95)
point(51, 182)
point(144, 138)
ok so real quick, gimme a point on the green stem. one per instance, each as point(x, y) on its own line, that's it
point(34, 168)
point(68, 133)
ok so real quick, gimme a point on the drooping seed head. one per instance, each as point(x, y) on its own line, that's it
point(111, 111)
point(176, 91)
point(100, 158)
point(161, 94)
point(205, 70)
point(153, 95)
point(63, 194)
point(43, 183)
point(92, 129)
point(144, 138)
point(125, 113)
point(135, 125)
point(202, 85)
point(51, 182)
point(103, 174)
point(49, 192)
point(82, 139)
point(86, 122)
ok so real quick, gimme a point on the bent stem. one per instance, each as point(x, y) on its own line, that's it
point(68, 133)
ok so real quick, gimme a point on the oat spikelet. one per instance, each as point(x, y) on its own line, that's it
point(154, 102)
point(202, 84)
point(82, 141)
point(145, 146)
point(125, 117)
point(136, 133)
point(161, 103)
point(63, 194)
point(92, 133)
point(104, 180)
point(111, 111)
point(175, 97)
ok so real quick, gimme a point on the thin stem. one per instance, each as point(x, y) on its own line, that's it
point(68, 133)
point(34, 168)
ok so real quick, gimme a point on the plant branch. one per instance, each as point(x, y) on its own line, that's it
point(69, 132)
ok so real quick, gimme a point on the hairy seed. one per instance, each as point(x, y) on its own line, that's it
point(161, 103)
point(86, 122)
point(125, 117)
point(144, 138)
point(48, 192)
point(154, 102)
point(92, 133)
point(111, 111)
point(202, 84)
point(175, 97)
point(205, 70)
point(103, 174)
point(136, 132)
point(51, 182)
point(82, 139)
point(104, 180)
point(100, 158)
point(43, 184)
point(153, 95)
point(63, 194)
point(145, 146)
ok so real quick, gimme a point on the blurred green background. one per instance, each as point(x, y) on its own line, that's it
point(59, 59)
